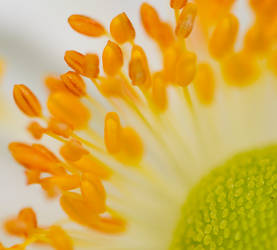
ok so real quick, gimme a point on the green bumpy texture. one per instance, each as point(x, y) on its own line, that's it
point(233, 207)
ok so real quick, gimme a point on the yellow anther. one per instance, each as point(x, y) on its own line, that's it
point(159, 94)
point(23, 224)
point(75, 60)
point(91, 65)
point(224, 36)
point(110, 225)
point(158, 30)
point(171, 56)
point(59, 239)
point(90, 164)
point(67, 108)
point(177, 4)
point(111, 86)
point(122, 29)
point(76, 208)
point(93, 193)
point(33, 176)
point(26, 101)
point(204, 83)
point(54, 84)
point(63, 182)
point(112, 58)
point(240, 69)
point(72, 150)
point(74, 83)
point(86, 26)
point(36, 130)
point(150, 19)
point(138, 68)
point(112, 133)
point(185, 68)
point(132, 145)
point(186, 20)
point(59, 128)
point(35, 157)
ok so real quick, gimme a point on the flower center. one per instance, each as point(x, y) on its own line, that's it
point(234, 206)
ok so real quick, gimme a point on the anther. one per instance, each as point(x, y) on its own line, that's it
point(91, 65)
point(185, 68)
point(36, 130)
point(68, 108)
point(93, 193)
point(159, 94)
point(112, 58)
point(122, 29)
point(54, 84)
point(177, 4)
point(186, 20)
point(204, 83)
point(59, 239)
point(72, 150)
point(59, 128)
point(224, 36)
point(86, 26)
point(26, 101)
point(112, 133)
point(74, 83)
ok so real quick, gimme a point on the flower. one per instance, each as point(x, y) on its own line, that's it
point(138, 164)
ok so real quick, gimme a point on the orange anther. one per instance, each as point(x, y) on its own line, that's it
point(68, 108)
point(59, 128)
point(131, 144)
point(77, 209)
point(72, 150)
point(54, 84)
point(111, 225)
point(36, 130)
point(33, 176)
point(150, 19)
point(224, 36)
point(122, 29)
point(26, 101)
point(90, 164)
point(177, 4)
point(138, 68)
point(186, 20)
point(171, 56)
point(93, 193)
point(35, 157)
point(75, 60)
point(23, 224)
point(63, 182)
point(74, 83)
point(185, 68)
point(112, 132)
point(59, 239)
point(240, 69)
point(86, 26)
point(91, 65)
point(158, 30)
point(112, 58)
point(204, 83)
point(111, 86)
point(159, 94)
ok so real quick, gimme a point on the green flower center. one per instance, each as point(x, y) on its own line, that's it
point(233, 207)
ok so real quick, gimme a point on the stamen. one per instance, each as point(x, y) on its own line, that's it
point(72, 150)
point(159, 91)
point(54, 84)
point(224, 36)
point(204, 83)
point(74, 83)
point(86, 26)
point(59, 238)
point(122, 29)
point(36, 130)
point(186, 20)
point(112, 58)
point(67, 108)
point(26, 101)
point(177, 4)
point(59, 128)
